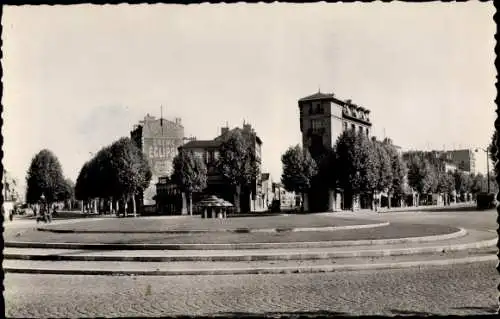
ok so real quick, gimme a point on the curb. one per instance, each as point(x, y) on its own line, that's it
point(267, 257)
point(236, 230)
point(340, 243)
point(258, 271)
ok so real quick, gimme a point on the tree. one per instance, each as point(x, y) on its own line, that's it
point(45, 177)
point(127, 170)
point(399, 171)
point(462, 182)
point(237, 163)
point(190, 174)
point(492, 148)
point(445, 183)
point(119, 172)
point(357, 162)
point(298, 170)
point(327, 168)
point(383, 167)
point(421, 175)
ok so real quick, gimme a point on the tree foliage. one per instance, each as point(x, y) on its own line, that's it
point(237, 162)
point(421, 175)
point(463, 182)
point(298, 169)
point(383, 167)
point(190, 174)
point(118, 171)
point(45, 177)
point(492, 148)
point(398, 170)
point(445, 182)
point(358, 160)
point(327, 169)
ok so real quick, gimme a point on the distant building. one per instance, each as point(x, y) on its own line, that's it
point(461, 160)
point(208, 151)
point(465, 159)
point(159, 139)
point(168, 197)
point(267, 189)
point(286, 199)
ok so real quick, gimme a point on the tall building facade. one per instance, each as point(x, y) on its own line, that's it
point(159, 140)
point(323, 118)
point(464, 159)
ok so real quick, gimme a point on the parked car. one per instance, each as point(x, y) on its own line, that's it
point(486, 200)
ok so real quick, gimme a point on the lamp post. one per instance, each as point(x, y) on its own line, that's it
point(487, 165)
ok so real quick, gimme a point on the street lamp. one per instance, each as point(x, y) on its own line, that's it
point(487, 165)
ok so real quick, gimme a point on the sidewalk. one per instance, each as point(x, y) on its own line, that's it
point(240, 268)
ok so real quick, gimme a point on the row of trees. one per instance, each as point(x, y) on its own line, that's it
point(356, 164)
point(45, 180)
point(117, 173)
point(359, 165)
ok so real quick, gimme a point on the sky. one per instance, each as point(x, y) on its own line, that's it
point(76, 78)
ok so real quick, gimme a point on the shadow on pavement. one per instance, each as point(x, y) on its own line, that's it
point(485, 310)
point(298, 314)
point(411, 313)
point(436, 209)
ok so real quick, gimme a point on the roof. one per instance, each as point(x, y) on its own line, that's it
point(318, 96)
point(202, 144)
point(221, 137)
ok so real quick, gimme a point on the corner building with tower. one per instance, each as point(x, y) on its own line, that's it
point(323, 118)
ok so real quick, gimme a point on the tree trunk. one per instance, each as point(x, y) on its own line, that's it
point(184, 204)
point(134, 208)
point(237, 199)
point(190, 195)
point(305, 202)
point(389, 204)
point(126, 206)
point(331, 200)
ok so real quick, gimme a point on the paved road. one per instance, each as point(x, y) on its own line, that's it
point(459, 217)
point(459, 289)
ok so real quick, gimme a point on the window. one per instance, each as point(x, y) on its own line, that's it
point(319, 109)
point(310, 109)
point(353, 127)
point(316, 124)
point(345, 126)
point(367, 132)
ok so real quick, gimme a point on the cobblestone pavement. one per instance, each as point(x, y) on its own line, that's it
point(459, 289)
point(392, 231)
